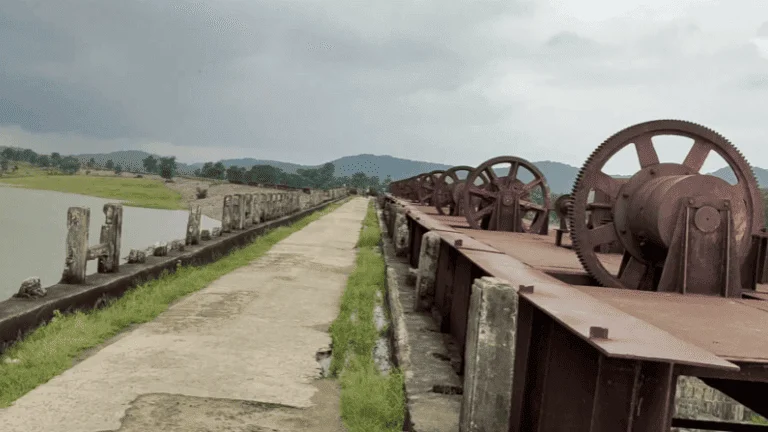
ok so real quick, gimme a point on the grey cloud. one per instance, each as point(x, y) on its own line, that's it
point(762, 31)
point(227, 73)
point(312, 81)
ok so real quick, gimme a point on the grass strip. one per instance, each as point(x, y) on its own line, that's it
point(55, 347)
point(135, 192)
point(370, 401)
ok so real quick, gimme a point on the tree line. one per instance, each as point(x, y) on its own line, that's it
point(322, 177)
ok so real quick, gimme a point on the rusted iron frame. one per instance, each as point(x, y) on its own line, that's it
point(760, 248)
point(603, 394)
point(561, 383)
point(455, 274)
point(416, 230)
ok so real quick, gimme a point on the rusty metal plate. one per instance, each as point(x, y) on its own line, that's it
point(628, 336)
point(538, 251)
point(428, 210)
point(453, 221)
point(428, 222)
point(734, 329)
point(466, 242)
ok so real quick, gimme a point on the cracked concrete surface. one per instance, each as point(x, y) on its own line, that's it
point(238, 355)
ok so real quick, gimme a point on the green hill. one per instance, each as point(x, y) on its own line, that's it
point(560, 176)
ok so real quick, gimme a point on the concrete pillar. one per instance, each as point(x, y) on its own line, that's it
point(402, 233)
point(254, 209)
point(268, 207)
point(427, 272)
point(262, 207)
point(240, 217)
point(490, 356)
point(226, 215)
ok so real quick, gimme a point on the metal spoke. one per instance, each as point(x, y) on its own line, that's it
point(532, 184)
point(607, 184)
point(603, 234)
point(513, 170)
point(697, 155)
point(485, 211)
point(491, 173)
point(646, 153)
point(482, 192)
point(531, 206)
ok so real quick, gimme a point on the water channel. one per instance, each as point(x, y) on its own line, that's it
point(33, 231)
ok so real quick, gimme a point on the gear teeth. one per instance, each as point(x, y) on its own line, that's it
point(587, 257)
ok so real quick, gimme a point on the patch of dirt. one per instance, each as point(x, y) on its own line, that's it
point(179, 413)
point(187, 187)
point(210, 205)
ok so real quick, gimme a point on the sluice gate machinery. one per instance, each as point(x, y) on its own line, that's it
point(647, 278)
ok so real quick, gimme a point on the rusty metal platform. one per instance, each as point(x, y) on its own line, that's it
point(740, 336)
point(658, 335)
point(743, 338)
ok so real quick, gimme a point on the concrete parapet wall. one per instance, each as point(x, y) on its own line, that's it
point(18, 316)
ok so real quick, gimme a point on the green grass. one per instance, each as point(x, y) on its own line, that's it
point(370, 402)
point(53, 348)
point(134, 191)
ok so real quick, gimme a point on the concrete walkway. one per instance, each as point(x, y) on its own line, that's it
point(220, 358)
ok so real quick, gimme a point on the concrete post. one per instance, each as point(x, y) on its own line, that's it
point(490, 356)
point(193, 226)
point(240, 217)
point(268, 206)
point(254, 209)
point(262, 207)
point(427, 272)
point(225, 213)
point(402, 233)
point(248, 214)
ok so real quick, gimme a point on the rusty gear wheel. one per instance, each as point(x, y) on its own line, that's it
point(591, 178)
point(445, 194)
point(427, 184)
point(505, 200)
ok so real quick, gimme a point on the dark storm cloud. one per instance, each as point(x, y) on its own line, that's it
point(304, 81)
point(226, 73)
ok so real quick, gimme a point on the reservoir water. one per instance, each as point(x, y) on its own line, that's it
point(33, 232)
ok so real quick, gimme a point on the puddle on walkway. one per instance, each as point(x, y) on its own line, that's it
point(323, 358)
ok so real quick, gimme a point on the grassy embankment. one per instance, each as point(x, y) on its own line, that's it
point(135, 192)
point(370, 402)
point(53, 348)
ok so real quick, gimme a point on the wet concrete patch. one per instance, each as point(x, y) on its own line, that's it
point(324, 357)
point(162, 412)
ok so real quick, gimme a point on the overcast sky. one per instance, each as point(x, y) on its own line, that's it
point(435, 80)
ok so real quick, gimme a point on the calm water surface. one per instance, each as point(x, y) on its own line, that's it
point(33, 232)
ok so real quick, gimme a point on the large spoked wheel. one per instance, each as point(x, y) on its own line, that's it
point(427, 186)
point(638, 266)
point(506, 200)
point(413, 187)
point(444, 195)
